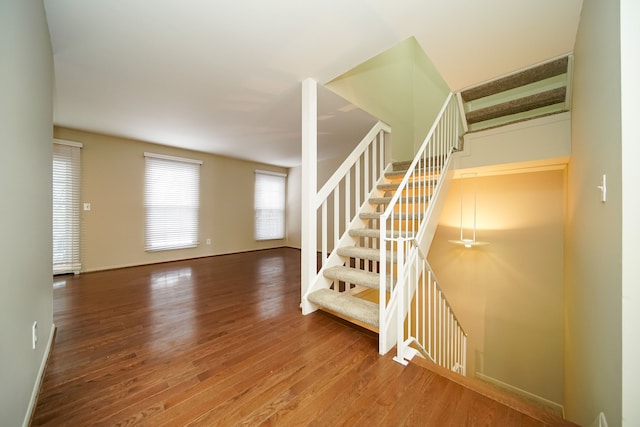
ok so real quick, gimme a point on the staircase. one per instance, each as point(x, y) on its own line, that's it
point(374, 272)
point(372, 261)
point(353, 294)
point(537, 91)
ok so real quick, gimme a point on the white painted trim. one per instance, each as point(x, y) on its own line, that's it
point(538, 121)
point(552, 154)
point(600, 421)
point(36, 386)
point(69, 143)
point(523, 393)
point(463, 114)
point(547, 165)
point(240, 251)
point(309, 188)
point(568, 99)
point(174, 158)
point(263, 172)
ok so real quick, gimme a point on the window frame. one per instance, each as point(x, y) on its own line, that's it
point(259, 229)
point(161, 231)
point(65, 210)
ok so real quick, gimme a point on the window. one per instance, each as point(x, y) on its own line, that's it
point(269, 205)
point(171, 202)
point(66, 207)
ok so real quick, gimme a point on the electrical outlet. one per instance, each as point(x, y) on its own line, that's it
point(34, 335)
point(208, 241)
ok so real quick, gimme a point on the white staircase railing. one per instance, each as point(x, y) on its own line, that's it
point(413, 311)
point(405, 240)
point(357, 177)
point(336, 207)
point(430, 326)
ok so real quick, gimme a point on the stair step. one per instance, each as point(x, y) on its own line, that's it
point(404, 165)
point(535, 92)
point(394, 186)
point(387, 200)
point(397, 216)
point(396, 173)
point(535, 74)
point(347, 305)
point(528, 103)
point(353, 275)
point(375, 233)
point(401, 173)
point(361, 253)
point(401, 166)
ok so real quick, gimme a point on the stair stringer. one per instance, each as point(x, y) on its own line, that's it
point(333, 260)
point(424, 237)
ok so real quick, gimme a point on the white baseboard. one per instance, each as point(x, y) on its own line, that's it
point(525, 394)
point(36, 386)
point(140, 264)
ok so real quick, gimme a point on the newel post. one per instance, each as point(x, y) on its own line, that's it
point(309, 189)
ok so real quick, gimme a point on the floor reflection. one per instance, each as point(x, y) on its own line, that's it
point(270, 277)
point(59, 283)
point(171, 278)
point(172, 312)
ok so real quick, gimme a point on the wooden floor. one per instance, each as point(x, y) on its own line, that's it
point(221, 341)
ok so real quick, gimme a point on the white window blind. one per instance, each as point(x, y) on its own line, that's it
point(66, 207)
point(171, 201)
point(269, 205)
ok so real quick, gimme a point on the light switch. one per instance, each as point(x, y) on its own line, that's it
point(603, 189)
point(87, 206)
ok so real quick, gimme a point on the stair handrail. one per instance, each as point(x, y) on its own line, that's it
point(411, 200)
point(373, 149)
point(443, 343)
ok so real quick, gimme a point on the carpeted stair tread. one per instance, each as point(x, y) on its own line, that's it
point(534, 74)
point(403, 166)
point(361, 253)
point(397, 216)
point(386, 200)
point(375, 233)
point(355, 276)
point(401, 173)
point(392, 186)
point(516, 106)
point(347, 305)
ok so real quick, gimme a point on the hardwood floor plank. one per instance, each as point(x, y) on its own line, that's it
point(233, 383)
point(387, 397)
point(344, 392)
point(304, 400)
point(222, 341)
point(257, 401)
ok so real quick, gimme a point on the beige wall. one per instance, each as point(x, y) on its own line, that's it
point(429, 93)
point(508, 295)
point(402, 88)
point(26, 114)
point(113, 179)
point(325, 170)
point(593, 341)
point(535, 143)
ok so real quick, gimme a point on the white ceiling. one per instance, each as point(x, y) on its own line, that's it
point(224, 76)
